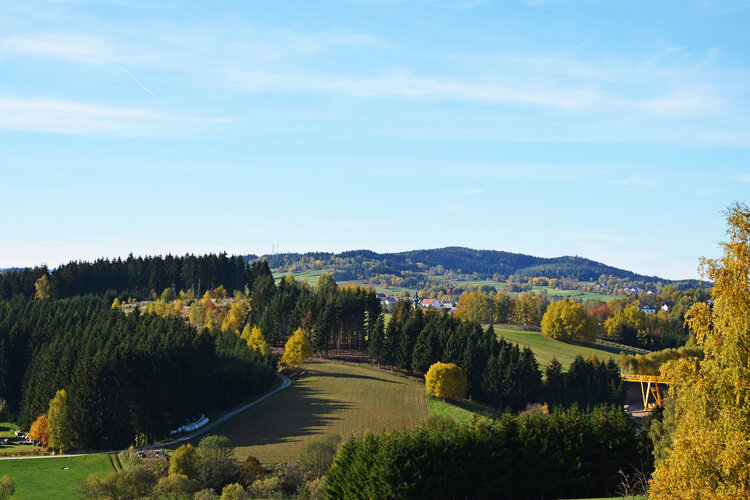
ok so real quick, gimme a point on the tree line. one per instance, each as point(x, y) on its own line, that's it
point(498, 372)
point(137, 276)
point(123, 374)
point(571, 454)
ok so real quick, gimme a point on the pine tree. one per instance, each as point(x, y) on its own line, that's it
point(375, 341)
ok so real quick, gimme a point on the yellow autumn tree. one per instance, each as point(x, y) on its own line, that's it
point(59, 424)
point(255, 339)
point(445, 381)
point(43, 288)
point(297, 349)
point(236, 316)
point(566, 320)
point(117, 304)
point(710, 452)
point(476, 307)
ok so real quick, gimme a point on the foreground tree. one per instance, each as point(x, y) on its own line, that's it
point(710, 451)
point(297, 350)
point(445, 381)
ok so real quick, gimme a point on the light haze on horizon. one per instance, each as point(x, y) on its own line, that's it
point(619, 132)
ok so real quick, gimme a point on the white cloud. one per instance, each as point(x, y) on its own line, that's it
point(744, 178)
point(76, 48)
point(70, 117)
point(471, 191)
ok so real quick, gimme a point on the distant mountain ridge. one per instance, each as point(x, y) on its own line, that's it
point(485, 263)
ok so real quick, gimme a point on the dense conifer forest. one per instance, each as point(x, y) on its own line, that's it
point(125, 374)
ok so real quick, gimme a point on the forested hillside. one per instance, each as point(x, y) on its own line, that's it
point(124, 374)
point(454, 261)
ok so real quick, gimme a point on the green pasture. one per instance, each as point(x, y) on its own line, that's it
point(311, 275)
point(545, 348)
point(328, 398)
point(6, 432)
point(44, 478)
point(462, 412)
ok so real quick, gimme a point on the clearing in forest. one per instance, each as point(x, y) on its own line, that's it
point(329, 398)
point(545, 348)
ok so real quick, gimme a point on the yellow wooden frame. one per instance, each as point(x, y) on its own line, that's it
point(649, 388)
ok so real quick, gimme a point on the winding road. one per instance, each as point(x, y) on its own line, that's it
point(285, 382)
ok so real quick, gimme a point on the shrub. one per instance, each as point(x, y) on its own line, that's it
point(215, 463)
point(233, 491)
point(251, 470)
point(269, 487)
point(317, 456)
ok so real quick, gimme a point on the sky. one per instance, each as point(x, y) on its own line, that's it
point(617, 131)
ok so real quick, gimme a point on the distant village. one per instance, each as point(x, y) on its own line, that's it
point(389, 301)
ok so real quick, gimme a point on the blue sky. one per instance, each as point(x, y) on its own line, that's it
point(615, 131)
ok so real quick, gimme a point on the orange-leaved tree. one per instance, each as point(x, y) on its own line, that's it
point(38, 431)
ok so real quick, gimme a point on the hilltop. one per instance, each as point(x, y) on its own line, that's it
point(422, 268)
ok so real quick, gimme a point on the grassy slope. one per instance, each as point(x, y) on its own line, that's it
point(544, 348)
point(45, 478)
point(462, 412)
point(330, 398)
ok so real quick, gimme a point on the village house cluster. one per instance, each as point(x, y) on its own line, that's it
point(389, 301)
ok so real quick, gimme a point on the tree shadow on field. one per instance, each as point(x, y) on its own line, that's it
point(295, 413)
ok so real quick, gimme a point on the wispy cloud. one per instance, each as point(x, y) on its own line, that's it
point(404, 84)
point(71, 117)
point(468, 192)
point(744, 178)
point(76, 48)
point(636, 182)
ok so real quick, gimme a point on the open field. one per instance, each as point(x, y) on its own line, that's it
point(329, 398)
point(311, 276)
point(48, 477)
point(545, 348)
point(462, 412)
point(13, 446)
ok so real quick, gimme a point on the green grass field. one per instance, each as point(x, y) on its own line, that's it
point(545, 348)
point(329, 398)
point(45, 478)
point(6, 432)
point(462, 412)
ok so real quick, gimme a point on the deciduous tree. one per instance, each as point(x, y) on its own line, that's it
point(184, 462)
point(297, 349)
point(43, 288)
point(7, 488)
point(59, 426)
point(445, 381)
point(38, 431)
point(255, 340)
point(710, 456)
point(565, 320)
